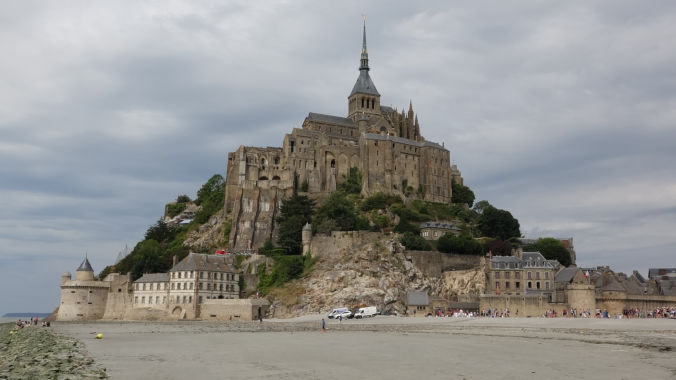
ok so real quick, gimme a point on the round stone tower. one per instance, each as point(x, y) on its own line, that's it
point(306, 235)
point(83, 298)
point(84, 272)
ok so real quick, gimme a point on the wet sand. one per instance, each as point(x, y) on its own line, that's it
point(384, 348)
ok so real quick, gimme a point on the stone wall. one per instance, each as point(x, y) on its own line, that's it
point(521, 306)
point(83, 300)
point(234, 309)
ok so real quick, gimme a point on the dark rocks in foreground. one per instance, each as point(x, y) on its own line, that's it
point(35, 352)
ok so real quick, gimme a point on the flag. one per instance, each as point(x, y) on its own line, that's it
point(586, 274)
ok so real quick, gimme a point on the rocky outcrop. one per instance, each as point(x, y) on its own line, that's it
point(362, 268)
point(209, 235)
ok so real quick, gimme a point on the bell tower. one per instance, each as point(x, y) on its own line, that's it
point(364, 98)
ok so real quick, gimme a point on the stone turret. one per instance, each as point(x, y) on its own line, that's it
point(66, 277)
point(307, 237)
point(84, 272)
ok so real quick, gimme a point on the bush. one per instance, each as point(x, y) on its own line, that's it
point(183, 199)
point(338, 212)
point(379, 201)
point(352, 183)
point(285, 269)
point(462, 194)
point(414, 242)
point(551, 249)
point(463, 244)
point(174, 209)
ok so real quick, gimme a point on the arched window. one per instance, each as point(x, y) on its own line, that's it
point(276, 160)
point(263, 178)
point(276, 178)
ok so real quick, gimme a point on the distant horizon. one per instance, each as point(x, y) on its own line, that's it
point(13, 315)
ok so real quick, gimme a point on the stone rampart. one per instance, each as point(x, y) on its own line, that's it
point(434, 263)
point(234, 309)
point(521, 306)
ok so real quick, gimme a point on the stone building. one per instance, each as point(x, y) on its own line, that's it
point(525, 273)
point(178, 294)
point(384, 144)
point(151, 290)
point(435, 230)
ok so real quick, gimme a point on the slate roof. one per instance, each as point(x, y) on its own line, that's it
point(198, 261)
point(85, 266)
point(386, 109)
point(442, 225)
point(374, 136)
point(566, 274)
point(364, 84)
point(330, 119)
point(418, 298)
point(154, 277)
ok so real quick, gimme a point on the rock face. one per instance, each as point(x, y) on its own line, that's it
point(209, 235)
point(366, 269)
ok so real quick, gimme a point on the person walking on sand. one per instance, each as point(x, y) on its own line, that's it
point(323, 325)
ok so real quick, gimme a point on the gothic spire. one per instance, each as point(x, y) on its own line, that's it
point(364, 52)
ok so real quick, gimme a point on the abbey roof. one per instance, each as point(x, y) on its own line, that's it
point(364, 85)
point(330, 119)
point(198, 261)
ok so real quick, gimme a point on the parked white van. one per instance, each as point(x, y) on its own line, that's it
point(366, 312)
point(340, 312)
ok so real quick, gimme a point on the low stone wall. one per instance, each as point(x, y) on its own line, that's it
point(323, 245)
point(233, 309)
point(521, 306)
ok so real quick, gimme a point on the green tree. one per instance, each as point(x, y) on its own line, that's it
point(294, 214)
point(379, 201)
point(414, 242)
point(498, 247)
point(462, 194)
point(183, 199)
point(463, 244)
point(338, 213)
point(147, 258)
point(211, 197)
point(480, 206)
point(160, 232)
point(551, 249)
point(352, 183)
point(498, 223)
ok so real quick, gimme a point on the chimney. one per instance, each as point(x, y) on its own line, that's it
point(174, 261)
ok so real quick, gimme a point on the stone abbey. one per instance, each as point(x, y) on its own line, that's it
point(384, 144)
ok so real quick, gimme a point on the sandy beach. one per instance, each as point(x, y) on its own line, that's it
point(384, 348)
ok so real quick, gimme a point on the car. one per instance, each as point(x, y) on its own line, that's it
point(365, 312)
point(342, 312)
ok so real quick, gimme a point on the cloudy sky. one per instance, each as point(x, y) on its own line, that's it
point(563, 113)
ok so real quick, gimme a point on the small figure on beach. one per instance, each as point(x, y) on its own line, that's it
point(323, 325)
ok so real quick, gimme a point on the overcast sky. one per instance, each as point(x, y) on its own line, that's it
point(562, 112)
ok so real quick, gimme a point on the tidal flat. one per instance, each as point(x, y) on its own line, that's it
point(383, 347)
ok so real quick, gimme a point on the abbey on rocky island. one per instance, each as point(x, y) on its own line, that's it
point(385, 145)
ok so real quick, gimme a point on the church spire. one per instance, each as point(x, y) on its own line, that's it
point(364, 52)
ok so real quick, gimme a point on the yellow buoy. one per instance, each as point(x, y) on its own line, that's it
point(11, 332)
point(99, 336)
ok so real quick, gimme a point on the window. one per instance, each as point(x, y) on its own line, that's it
point(164, 299)
point(517, 275)
point(537, 285)
point(200, 299)
point(144, 286)
point(172, 286)
point(517, 285)
point(547, 275)
point(200, 286)
point(209, 286)
point(507, 285)
point(136, 299)
point(150, 300)
point(178, 299)
point(497, 274)
point(537, 275)
point(507, 274)
point(529, 276)
point(183, 299)
point(547, 285)
point(191, 272)
point(190, 299)
point(497, 284)
point(530, 285)
point(179, 274)
point(191, 285)
point(143, 299)
point(221, 276)
point(136, 286)
point(201, 274)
